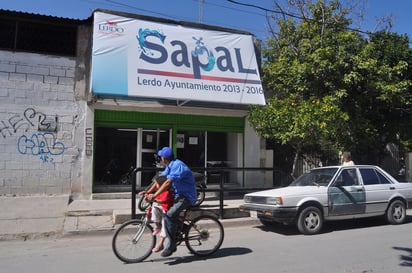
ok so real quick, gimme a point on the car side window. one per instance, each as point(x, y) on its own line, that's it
point(347, 178)
point(383, 179)
point(369, 177)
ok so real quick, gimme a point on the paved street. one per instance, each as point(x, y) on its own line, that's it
point(36, 216)
point(366, 246)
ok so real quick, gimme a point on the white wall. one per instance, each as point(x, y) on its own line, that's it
point(254, 158)
point(38, 154)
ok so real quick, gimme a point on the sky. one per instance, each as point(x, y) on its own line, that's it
point(213, 12)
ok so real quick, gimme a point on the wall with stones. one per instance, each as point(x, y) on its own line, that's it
point(41, 124)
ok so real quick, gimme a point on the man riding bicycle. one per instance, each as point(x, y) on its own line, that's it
point(181, 178)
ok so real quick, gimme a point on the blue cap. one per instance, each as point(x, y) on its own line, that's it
point(166, 152)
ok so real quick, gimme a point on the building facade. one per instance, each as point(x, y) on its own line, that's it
point(79, 107)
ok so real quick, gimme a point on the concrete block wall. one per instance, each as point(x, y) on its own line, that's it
point(40, 121)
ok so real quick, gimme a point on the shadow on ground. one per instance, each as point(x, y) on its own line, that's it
point(406, 259)
point(332, 226)
point(221, 253)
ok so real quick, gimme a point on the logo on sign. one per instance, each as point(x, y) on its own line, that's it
point(110, 27)
point(199, 58)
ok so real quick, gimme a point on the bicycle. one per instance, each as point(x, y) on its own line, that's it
point(133, 241)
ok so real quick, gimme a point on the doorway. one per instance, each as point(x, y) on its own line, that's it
point(150, 141)
point(119, 149)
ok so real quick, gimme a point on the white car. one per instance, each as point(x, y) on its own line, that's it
point(332, 193)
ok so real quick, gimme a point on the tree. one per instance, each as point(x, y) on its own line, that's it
point(326, 83)
point(380, 97)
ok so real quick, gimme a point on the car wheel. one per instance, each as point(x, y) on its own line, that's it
point(396, 212)
point(310, 221)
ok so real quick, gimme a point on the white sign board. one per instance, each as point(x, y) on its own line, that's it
point(136, 58)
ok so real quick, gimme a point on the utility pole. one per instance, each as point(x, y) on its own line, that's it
point(201, 11)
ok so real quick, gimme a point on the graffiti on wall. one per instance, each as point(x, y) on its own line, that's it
point(43, 144)
point(28, 119)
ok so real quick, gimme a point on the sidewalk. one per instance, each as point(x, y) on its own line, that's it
point(31, 217)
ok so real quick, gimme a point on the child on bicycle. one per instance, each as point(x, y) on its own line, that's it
point(164, 202)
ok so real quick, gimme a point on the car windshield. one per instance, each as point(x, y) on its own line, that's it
point(315, 177)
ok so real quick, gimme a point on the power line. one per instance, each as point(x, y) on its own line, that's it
point(201, 10)
point(164, 15)
point(265, 9)
point(201, 16)
point(202, 4)
point(295, 16)
point(289, 14)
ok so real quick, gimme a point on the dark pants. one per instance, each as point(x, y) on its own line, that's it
point(171, 219)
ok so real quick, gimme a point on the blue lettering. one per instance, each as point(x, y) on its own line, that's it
point(220, 62)
point(155, 47)
point(150, 82)
point(180, 57)
point(196, 67)
point(202, 57)
point(240, 64)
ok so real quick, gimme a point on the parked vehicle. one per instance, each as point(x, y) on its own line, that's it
point(332, 193)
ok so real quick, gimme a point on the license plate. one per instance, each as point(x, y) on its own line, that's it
point(253, 214)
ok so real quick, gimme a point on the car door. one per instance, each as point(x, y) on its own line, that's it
point(346, 195)
point(378, 189)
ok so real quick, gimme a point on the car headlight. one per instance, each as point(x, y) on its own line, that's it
point(274, 201)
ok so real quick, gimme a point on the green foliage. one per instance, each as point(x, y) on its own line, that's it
point(326, 83)
point(297, 122)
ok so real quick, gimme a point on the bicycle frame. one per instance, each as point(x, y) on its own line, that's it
point(184, 222)
point(145, 220)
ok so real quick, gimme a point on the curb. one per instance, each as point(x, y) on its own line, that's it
point(227, 223)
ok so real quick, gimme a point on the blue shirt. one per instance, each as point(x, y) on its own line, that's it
point(182, 179)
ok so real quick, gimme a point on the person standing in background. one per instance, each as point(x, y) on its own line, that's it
point(347, 159)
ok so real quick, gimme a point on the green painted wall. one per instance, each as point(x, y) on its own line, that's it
point(125, 119)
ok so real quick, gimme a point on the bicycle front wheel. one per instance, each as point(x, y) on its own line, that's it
point(143, 204)
point(133, 241)
point(204, 235)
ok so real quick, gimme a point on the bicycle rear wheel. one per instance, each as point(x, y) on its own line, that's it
point(204, 235)
point(200, 197)
point(133, 241)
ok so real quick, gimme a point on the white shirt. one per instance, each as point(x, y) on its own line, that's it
point(348, 163)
